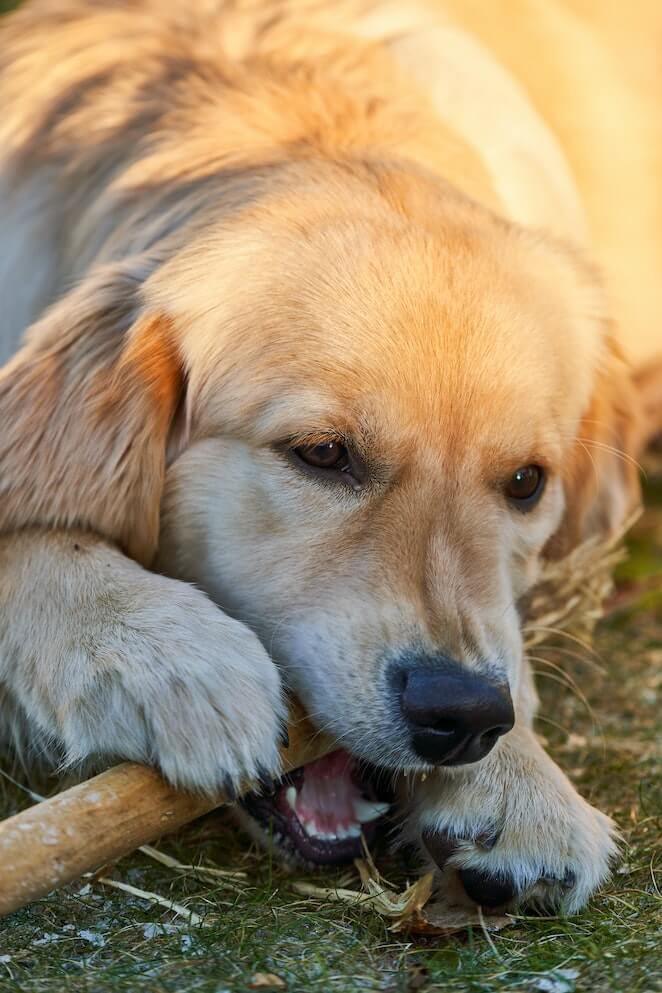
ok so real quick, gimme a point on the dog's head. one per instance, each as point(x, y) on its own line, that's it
point(382, 408)
point(398, 407)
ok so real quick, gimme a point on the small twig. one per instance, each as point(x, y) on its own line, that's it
point(177, 908)
point(171, 863)
point(488, 936)
point(37, 797)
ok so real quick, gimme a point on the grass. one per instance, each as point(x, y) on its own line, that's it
point(92, 938)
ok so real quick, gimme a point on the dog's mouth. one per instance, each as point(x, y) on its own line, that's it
point(318, 814)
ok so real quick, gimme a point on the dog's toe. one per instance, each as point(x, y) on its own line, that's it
point(440, 846)
point(486, 890)
point(480, 886)
point(482, 869)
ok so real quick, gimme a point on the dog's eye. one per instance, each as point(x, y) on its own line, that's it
point(330, 461)
point(328, 455)
point(525, 486)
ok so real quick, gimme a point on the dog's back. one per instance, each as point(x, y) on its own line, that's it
point(550, 100)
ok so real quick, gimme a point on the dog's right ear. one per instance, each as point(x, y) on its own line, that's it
point(601, 476)
point(648, 383)
point(87, 409)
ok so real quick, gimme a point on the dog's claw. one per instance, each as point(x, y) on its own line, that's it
point(440, 846)
point(230, 790)
point(569, 879)
point(487, 839)
point(266, 781)
point(566, 881)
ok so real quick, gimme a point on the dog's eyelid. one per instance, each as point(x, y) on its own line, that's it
point(355, 474)
point(311, 438)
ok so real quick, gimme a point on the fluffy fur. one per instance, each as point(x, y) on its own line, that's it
point(254, 224)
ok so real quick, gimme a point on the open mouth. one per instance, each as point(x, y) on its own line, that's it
point(318, 813)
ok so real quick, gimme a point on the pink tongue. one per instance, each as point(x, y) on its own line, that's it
point(326, 796)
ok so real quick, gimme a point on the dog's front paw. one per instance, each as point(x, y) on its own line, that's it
point(172, 681)
point(512, 831)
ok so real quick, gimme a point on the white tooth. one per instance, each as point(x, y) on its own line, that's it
point(354, 831)
point(342, 833)
point(368, 810)
point(311, 829)
point(291, 797)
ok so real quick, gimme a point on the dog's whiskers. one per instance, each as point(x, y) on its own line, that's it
point(534, 628)
point(575, 656)
point(612, 450)
point(564, 679)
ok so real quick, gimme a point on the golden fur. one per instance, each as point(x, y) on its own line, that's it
point(236, 226)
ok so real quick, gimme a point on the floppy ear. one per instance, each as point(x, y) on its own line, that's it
point(601, 475)
point(648, 382)
point(86, 408)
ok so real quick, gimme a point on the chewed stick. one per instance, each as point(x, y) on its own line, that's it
point(57, 841)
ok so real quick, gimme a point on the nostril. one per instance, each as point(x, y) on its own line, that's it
point(482, 744)
point(488, 738)
point(454, 715)
point(500, 729)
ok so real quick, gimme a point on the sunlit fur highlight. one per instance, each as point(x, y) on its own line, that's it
point(235, 226)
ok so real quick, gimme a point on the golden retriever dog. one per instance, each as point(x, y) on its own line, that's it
point(308, 370)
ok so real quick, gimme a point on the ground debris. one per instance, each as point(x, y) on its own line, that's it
point(267, 981)
point(408, 911)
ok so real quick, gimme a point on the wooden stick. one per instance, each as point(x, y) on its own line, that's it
point(55, 842)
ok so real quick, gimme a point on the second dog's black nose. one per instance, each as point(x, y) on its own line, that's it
point(455, 715)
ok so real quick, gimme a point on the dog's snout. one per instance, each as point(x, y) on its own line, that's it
point(455, 715)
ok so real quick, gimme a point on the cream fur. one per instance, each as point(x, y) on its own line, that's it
point(272, 225)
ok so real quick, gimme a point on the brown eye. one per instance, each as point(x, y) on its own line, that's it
point(328, 455)
point(525, 486)
point(330, 462)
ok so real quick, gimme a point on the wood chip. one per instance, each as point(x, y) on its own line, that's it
point(267, 981)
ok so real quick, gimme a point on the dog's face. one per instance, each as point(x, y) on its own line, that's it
point(382, 412)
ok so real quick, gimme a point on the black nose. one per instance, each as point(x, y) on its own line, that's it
point(455, 714)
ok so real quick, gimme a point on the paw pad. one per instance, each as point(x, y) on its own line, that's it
point(487, 891)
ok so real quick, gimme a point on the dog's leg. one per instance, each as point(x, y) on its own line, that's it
point(511, 829)
point(106, 660)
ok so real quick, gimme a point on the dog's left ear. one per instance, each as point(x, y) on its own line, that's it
point(90, 409)
point(601, 474)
